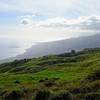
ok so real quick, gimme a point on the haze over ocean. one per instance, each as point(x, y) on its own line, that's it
point(24, 23)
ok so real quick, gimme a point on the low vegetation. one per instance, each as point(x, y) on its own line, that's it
point(68, 76)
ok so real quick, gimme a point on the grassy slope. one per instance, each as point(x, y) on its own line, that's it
point(67, 71)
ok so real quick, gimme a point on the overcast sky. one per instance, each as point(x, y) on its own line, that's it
point(24, 23)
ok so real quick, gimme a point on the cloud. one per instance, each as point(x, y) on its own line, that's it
point(26, 21)
point(91, 23)
point(59, 22)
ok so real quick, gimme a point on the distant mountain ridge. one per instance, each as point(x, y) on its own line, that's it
point(61, 46)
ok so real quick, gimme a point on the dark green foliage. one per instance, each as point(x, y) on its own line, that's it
point(15, 64)
point(73, 51)
point(13, 95)
point(94, 76)
point(17, 81)
point(62, 96)
point(92, 96)
point(87, 87)
point(42, 95)
point(76, 90)
point(47, 82)
point(91, 50)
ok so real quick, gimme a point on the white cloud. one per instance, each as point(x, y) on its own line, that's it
point(91, 23)
point(50, 29)
point(26, 20)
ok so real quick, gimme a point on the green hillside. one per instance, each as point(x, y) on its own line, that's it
point(68, 76)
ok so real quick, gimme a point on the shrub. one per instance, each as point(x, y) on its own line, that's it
point(17, 81)
point(13, 95)
point(94, 76)
point(41, 80)
point(76, 90)
point(92, 96)
point(42, 95)
point(62, 96)
point(47, 82)
point(73, 51)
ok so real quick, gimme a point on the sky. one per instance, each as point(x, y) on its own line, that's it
point(24, 23)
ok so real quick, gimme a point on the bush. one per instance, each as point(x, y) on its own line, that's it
point(92, 96)
point(94, 76)
point(62, 96)
point(47, 82)
point(13, 95)
point(82, 89)
point(42, 95)
point(17, 81)
point(76, 90)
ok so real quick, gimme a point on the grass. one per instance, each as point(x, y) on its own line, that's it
point(67, 71)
